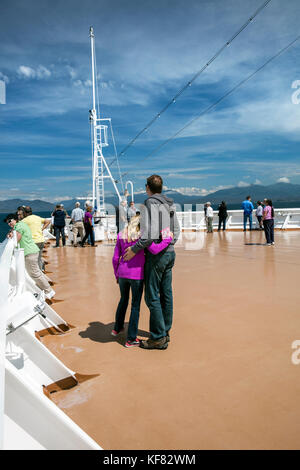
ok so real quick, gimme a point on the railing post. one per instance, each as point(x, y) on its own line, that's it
point(286, 221)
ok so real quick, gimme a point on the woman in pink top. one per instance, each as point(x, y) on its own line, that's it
point(130, 275)
point(268, 220)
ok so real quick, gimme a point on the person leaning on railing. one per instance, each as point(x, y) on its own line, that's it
point(31, 253)
point(37, 225)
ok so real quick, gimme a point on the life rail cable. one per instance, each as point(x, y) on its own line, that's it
point(230, 92)
point(189, 83)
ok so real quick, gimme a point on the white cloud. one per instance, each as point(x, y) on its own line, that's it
point(193, 191)
point(60, 198)
point(188, 191)
point(42, 72)
point(72, 72)
point(26, 72)
point(243, 184)
point(4, 78)
point(39, 73)
point(283, 179)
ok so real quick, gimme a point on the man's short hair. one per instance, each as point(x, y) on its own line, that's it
point(248, 197)
point(58, 206)
point(77, 204)
point(10, 217)
point(28, 210)
point(155, 184)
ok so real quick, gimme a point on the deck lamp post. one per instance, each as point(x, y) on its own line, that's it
point(126, 193)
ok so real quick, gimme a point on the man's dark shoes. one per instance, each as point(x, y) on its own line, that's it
point(160, 343)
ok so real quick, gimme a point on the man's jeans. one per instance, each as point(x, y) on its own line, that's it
point(158, 292)
point(137, 292)
point(59, 231)
point(246, 217)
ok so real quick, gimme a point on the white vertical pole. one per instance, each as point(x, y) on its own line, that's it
point(94, 124)
point(93, 66)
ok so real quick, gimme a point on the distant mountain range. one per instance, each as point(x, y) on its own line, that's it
point(280, 193)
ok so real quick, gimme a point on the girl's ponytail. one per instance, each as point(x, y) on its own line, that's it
point(270, 203)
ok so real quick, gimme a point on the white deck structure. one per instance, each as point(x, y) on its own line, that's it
point(28, 418)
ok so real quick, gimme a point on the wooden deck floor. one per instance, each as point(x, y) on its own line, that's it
point(225, 382)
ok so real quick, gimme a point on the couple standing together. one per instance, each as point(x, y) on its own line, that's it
point(144, 256)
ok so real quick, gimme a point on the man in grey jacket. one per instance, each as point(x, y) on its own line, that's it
point(158, 214)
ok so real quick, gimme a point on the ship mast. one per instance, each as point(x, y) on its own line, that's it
point(101, 170)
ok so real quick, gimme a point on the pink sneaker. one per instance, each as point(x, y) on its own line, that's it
point(116, 333)
point(130, 344)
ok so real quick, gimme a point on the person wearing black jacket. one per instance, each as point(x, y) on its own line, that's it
point(59, 224)
point(222, 215)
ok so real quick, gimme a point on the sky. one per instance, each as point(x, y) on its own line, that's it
point(146, 52)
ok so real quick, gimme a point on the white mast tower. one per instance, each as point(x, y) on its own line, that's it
point(101, 170)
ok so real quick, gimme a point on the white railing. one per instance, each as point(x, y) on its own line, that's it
point(6, 250)
point(284, 219)
point(26, 365)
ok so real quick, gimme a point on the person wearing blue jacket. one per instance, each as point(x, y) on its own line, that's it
point(247, 207)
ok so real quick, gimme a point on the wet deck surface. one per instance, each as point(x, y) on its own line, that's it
point(226, 381)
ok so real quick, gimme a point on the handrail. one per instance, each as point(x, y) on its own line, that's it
point(287, 218)
point(6, 253)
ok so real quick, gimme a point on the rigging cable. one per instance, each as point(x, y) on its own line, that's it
point(189, 83)
point(209, 108)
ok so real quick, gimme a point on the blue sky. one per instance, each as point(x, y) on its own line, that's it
point(146, 51)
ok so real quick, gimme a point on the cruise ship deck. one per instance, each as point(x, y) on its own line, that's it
point(226, 381)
